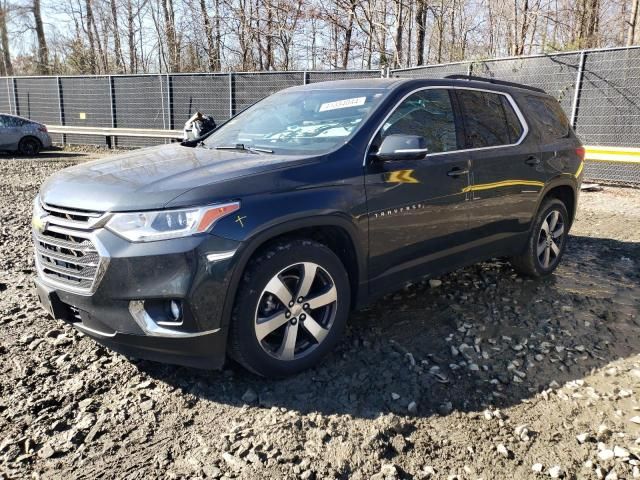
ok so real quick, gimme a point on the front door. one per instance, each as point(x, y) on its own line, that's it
point(417, 212)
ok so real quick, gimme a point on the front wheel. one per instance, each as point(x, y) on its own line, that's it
point(547, 240)
point(291, 308)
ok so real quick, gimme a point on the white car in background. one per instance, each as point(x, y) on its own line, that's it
point(22, 135)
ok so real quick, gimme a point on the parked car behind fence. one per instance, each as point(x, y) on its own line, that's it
point(22, 135)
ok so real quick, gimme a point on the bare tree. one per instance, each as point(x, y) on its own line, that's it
point(6, 66)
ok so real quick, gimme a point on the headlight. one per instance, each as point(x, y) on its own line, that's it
point(165, 224)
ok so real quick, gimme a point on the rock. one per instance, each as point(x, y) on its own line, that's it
point(250, 396)
point(387, 471)
point(605, 454)
point(582, 437)
point(146, 406)
point(504, 451)
point(603, 432)
point(522, 432)
point(46, 452)
point(556, 472)
point(435, 283)
point(635, 419)
point(398, 443)
point(537, 468)
point(413, 408)
point(612, 475)
point(233, 462)
point(428, 472)
point(620, 452)
point(487, 414)
point(307, 475)
point(395, 396)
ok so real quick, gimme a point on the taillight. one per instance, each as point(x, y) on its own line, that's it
point(42, 128)
point(580, 151)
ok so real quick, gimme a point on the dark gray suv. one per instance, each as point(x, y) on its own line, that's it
point(259, 239)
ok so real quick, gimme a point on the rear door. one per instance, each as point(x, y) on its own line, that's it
point(10, 132)
point(506, 172)
point(417, 211)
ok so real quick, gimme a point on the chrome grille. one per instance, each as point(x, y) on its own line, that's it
point(65, 252)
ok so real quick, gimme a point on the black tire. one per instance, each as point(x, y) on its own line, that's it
point(280, 262)
point(29, 146)
point(530, 262)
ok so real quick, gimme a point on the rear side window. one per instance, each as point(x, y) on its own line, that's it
point(489, 119)
point(9, 121)
point(549, 116)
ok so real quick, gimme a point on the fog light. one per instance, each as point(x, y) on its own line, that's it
point(176, 310)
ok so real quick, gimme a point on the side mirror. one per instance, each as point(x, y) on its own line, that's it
point(402, 147)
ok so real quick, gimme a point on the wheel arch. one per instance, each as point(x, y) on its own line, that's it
point(563, 190)
point(337, 233)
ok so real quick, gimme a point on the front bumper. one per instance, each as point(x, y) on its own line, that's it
point(121, 310)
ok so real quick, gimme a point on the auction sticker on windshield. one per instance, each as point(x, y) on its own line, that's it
point(347, 102)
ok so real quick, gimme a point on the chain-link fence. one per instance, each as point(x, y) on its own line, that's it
point(146, 101)
point(599, 90)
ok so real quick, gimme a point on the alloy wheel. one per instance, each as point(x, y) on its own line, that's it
point(296, 311)
point(550, 239)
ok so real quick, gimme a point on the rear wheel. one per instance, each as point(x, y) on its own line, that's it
point(291, 308)
point(29, 146)
point(547, 241)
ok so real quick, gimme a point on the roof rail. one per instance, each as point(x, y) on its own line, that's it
point(494, 81)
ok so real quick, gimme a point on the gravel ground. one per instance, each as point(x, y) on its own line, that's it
point(484, 375)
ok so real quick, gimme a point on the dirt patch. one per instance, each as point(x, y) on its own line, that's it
point(488, 375)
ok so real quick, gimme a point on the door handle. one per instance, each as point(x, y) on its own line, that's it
point(456, 172)
point(532, 160)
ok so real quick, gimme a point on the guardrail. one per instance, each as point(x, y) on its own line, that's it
point(110, 133)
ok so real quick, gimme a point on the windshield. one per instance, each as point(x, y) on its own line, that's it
point(298, 122)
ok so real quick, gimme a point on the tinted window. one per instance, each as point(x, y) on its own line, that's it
point(427, 113)
point(486, 119)
point(549, 116)
point(9, 121)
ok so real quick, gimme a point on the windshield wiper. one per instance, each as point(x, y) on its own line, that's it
point(241, 146)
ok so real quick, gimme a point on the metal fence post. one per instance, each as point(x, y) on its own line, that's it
point(470, 69)
point(14, 84)
point(576, 93)
point(112, 107)
point(231, 95)
point(61, 107)
point(8, 79)
point(305, 77)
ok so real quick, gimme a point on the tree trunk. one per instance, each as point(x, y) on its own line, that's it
point(348, 34)
point(131, 37)
point(116, 37)
point(89, 30)
point(5, 61)
point(208, 31)
point(420, 33)
point(170, 33)
point(399, 30)
point(43, 50)
point(633, 22)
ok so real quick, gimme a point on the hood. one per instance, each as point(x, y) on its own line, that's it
point(150, 178)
